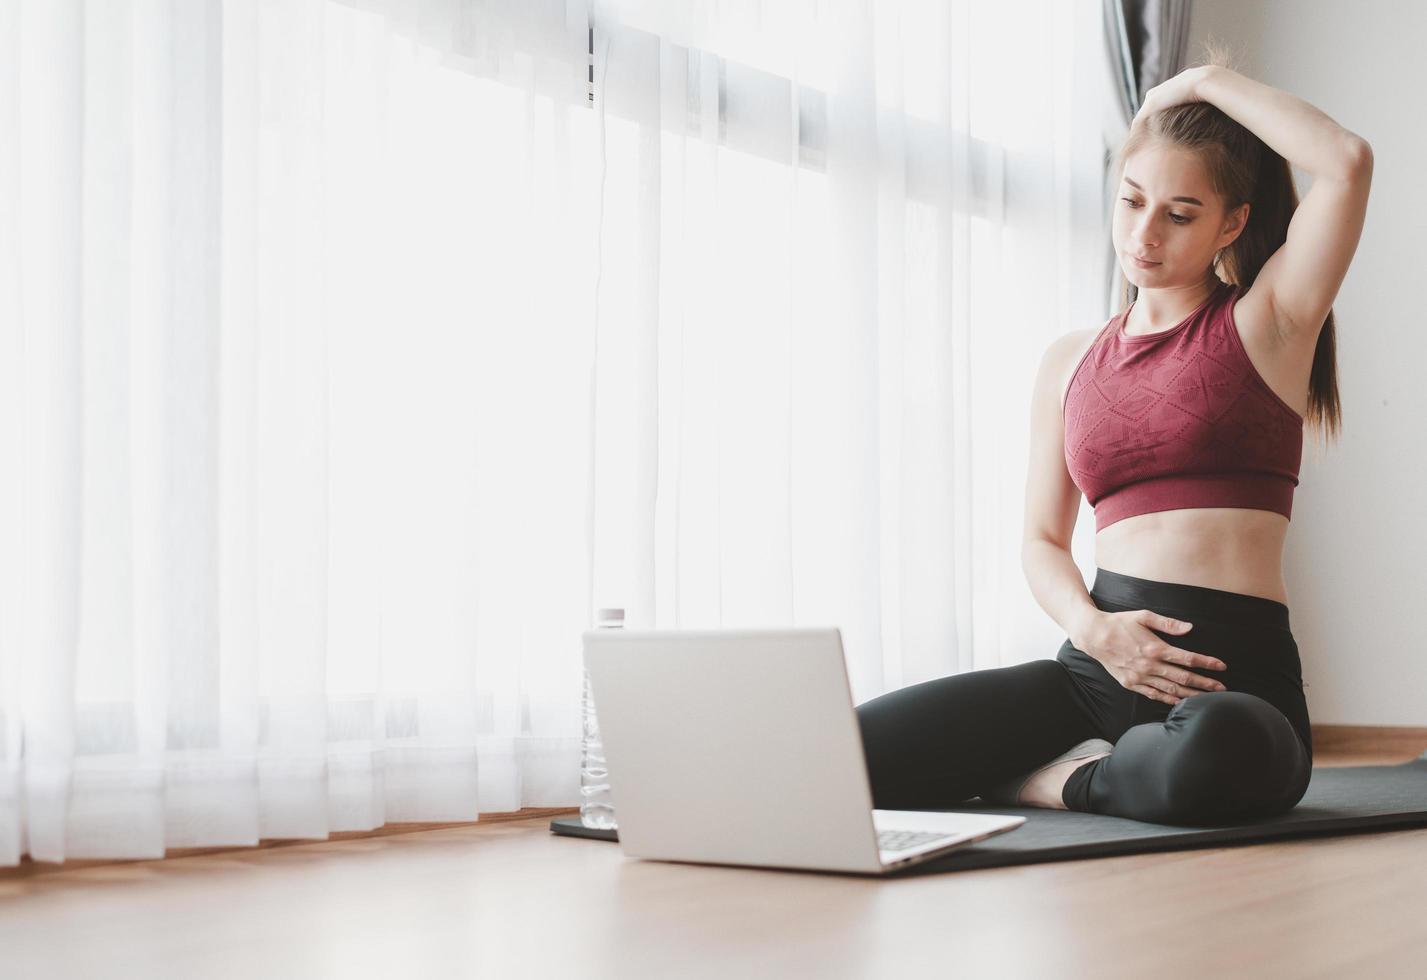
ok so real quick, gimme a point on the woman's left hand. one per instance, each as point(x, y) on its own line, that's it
point(1183, 87)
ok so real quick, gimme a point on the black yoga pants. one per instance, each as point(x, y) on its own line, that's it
point(1216, 757)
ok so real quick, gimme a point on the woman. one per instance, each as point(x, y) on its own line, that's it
point(1181, 420)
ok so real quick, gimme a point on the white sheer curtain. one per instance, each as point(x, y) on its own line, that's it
point(296, 339)
point(354, 352)
point(836, 238)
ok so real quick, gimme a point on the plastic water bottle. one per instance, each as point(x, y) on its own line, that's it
point(596, 807)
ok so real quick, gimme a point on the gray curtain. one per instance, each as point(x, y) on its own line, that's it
point(1147, 41)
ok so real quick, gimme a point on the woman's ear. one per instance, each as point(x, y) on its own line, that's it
point(1234, 224)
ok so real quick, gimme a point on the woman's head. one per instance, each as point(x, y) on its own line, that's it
point(1180, 199)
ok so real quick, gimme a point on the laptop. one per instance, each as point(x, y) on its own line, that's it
point(742, 747)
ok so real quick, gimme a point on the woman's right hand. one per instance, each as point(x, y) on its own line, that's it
point(1126, 645)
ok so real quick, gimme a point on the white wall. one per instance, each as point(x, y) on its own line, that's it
point(1358, 539)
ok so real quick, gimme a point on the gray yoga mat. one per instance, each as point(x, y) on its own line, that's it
point(1340, 800)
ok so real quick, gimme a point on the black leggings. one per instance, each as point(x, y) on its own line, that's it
point(1229, 756)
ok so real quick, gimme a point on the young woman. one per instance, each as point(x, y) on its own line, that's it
point(1181, 421)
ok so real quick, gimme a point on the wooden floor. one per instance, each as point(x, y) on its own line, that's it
point(510, 899)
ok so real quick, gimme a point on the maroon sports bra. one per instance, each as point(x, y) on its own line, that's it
point(1179, 419)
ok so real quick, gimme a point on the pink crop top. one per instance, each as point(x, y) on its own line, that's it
point(1179, 419)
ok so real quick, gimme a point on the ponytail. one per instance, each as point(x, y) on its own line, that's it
point(1271, 206)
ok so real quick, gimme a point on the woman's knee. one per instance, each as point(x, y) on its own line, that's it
point(1236, 755)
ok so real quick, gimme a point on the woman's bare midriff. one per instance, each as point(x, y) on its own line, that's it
point(1228, 548)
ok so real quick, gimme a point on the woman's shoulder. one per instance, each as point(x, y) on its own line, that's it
point(1068, 351)
point(1076, 344)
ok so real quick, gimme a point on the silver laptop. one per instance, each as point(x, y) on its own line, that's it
point(742, 747)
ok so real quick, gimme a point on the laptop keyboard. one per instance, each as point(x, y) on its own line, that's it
point(900, 840)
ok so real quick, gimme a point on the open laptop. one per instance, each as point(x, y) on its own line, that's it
point(743, 747)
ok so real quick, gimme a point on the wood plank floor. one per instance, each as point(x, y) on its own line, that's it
point(510, 899)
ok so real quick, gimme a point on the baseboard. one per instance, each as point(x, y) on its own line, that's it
point(530, 811)
point(1384, 740)
point(29, 867)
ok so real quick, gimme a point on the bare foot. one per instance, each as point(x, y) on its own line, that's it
point(1044, 788)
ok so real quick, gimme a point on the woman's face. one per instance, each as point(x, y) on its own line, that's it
point(1166, 212)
